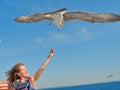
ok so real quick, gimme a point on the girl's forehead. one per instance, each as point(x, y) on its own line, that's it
point(22, 67)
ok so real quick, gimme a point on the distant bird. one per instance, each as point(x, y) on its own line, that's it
point(110, 76)
point(113, 74)
point(60, 16)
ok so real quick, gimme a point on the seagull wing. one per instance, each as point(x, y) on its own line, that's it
point(91, 17)
point(56, 17)
point(33, 18)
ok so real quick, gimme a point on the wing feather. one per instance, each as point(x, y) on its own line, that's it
point(33, 18)
point(91, 17)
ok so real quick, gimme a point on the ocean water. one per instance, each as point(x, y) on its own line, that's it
point(99, 86)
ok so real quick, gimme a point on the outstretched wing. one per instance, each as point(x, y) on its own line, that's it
point(56, 17)
point(91, 17)
point(32, 18)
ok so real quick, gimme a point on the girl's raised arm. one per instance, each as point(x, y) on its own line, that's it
point(37, 74)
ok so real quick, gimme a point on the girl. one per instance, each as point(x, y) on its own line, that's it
point(18, 76)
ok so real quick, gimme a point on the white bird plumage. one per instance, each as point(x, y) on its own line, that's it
point(60, 16)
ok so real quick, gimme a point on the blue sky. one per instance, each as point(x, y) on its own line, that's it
point(84, 52)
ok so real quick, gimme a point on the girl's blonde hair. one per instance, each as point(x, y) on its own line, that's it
point(12, 74)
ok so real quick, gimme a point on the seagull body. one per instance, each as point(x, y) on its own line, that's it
point(61, 16)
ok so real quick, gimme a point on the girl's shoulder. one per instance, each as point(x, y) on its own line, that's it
point(18, 82)
point(28, 81)
point(13, 84)
point(32, 81)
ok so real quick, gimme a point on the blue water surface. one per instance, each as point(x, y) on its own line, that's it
point(99, 86)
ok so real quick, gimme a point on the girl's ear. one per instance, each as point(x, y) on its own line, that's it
point(18, 74)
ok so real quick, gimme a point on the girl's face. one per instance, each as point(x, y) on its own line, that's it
point(23, 72)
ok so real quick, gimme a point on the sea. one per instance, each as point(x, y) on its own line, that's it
point(114, 85)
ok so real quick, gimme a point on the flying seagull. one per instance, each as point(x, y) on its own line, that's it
point(110, 76)
point(113, 74)
point(60, 16)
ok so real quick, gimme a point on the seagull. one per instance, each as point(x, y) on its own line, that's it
point(59, 17)
point(113, 74)
point(109, 76)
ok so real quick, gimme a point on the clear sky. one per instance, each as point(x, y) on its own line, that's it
point(84, 52)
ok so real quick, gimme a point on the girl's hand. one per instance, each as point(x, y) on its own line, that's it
point(51, 53)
